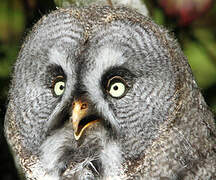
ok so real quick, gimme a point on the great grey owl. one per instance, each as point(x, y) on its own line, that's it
point(104, 93)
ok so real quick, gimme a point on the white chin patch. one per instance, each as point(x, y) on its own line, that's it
point(112, 161)
point(39, 173)
point(49, 166)
point(49, 177)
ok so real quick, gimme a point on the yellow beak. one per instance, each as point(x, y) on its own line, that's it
point(80, 111)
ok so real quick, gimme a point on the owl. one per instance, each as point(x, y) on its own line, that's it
point(104, 93)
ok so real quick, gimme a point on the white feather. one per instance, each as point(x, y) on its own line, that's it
point(106, 58)
point(112, 159)
point(60, 58)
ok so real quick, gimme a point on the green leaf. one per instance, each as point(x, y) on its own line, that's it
point(202, 66)
point(64, 3)
point(158, 16)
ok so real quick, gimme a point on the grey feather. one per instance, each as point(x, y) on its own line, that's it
point(161, 128)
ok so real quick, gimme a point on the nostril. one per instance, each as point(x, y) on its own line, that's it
point(84, 106)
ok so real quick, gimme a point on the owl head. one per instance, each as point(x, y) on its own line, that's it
point(93, 86)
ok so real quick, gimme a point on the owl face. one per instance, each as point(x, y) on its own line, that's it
point(91, 84)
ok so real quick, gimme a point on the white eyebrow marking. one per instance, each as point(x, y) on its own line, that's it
point(60, 58)
point(108, 57)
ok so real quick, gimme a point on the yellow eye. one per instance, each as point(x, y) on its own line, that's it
point(59, 86)
point(117, 87)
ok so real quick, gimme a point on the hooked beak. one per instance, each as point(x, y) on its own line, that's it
point(81, 118)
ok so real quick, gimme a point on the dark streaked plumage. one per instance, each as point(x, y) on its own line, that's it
point(105, 93)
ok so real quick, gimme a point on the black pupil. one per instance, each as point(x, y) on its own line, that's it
point(61, 87)
point(115, 87)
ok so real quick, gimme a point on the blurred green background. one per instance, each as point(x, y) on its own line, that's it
point(197, 37)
